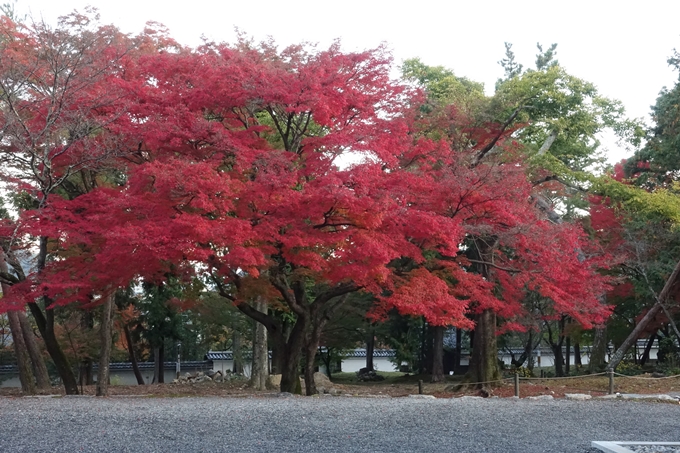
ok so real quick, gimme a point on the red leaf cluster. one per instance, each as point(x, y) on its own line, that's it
point(232, 167)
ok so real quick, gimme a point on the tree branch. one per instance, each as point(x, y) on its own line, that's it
point(493, 142)
point(486, 263)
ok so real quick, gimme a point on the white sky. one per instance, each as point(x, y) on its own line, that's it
point(622, 47)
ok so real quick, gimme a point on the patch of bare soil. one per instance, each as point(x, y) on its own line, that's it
point(596, 386)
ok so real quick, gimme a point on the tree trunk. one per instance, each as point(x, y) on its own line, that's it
point(85, 368)
point(105, 345)
point(637, 331)
point(39, 369)
point(290, 371)
point(568, 357)
point(559, 358)
point(598, 352)
point(556, 345)
point(159, 362)
point(45, 323)
point(484, 359)
point(577, 355)
point(85, 372)
point(425, 356)
point(23, 342)
point(308, 316)
point(648, 349)
point(370, 347)
point(310, 356)
point(259, 375)
point(23, 359)
point(237, 349)
point(277, 357)
point(459, 350)
point(438, 353)
point(131, 355)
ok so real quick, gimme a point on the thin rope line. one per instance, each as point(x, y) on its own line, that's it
point(646, 378)
point(564, 377)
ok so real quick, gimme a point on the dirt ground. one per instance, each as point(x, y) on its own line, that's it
point(399, 387)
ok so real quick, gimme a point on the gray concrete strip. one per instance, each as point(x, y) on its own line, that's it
point(610, 447)
point(620, 447)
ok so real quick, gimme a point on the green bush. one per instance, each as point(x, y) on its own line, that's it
point(629, 368)
point(668, 351)
point(523, 372)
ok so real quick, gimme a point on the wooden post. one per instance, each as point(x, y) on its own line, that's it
point(420, 387)
point(610, 372)
point(517, 385)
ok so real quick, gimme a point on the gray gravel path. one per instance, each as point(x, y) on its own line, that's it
point(326, 424)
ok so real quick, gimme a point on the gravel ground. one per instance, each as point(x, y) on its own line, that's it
point(296, 424)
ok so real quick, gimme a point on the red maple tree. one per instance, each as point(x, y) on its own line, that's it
point(236, 177)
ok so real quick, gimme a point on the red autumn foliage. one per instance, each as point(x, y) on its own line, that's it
point(232, 170)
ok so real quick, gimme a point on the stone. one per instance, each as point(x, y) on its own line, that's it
point(365, 375)
point(540, 397)
point(321, 380)
point(637, 396)
point(577, 396)
point(422, 397)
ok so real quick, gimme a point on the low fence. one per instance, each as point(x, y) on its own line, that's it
point(609, 379)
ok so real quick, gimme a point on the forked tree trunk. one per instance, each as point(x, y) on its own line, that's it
point(21, 337)
point(23, 359)
point(131, 355)
point(484, 367)
point(438, 353)
point(45, 323)
point(105, 345)
point(39, 369)
point(309, 316)
point(259, 375)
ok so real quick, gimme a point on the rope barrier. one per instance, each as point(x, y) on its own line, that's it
point(646, 378)
point(463, 384)
point(563, 377)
